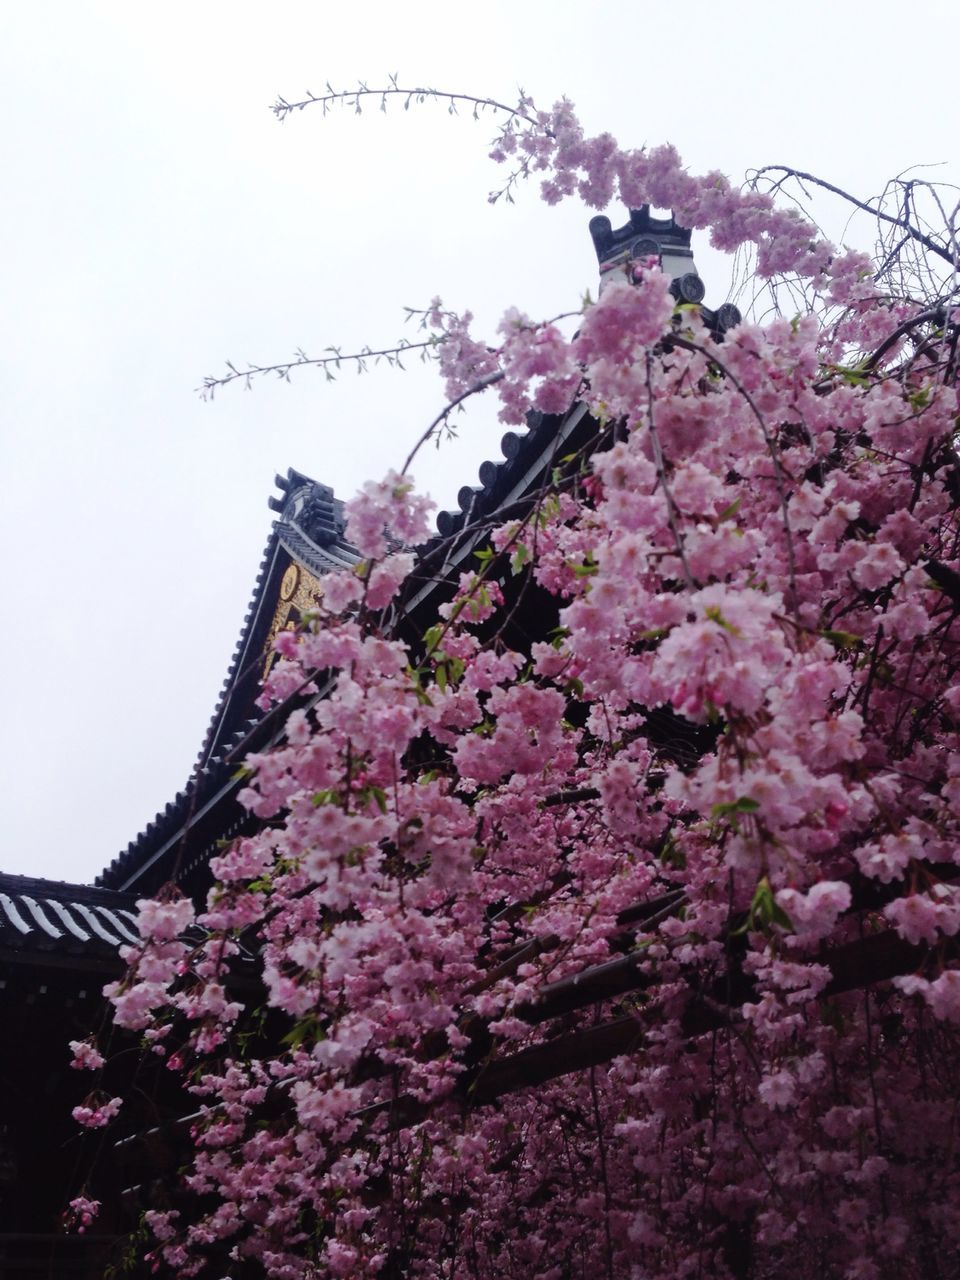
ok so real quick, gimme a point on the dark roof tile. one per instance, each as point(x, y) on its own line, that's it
point(53, 916)
point(310, 529)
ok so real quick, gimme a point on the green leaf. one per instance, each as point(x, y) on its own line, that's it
point(519, 558)
point(432, 637)
point(761, 905)
point(780, 917)
point(842, 639)
point(308, 1026)
point(745, 804)
point(764, 911)
point(853, 377)
point(549, 510)
point(712, 611)
point(729, 512)
point(671, 855)
point(378, 795)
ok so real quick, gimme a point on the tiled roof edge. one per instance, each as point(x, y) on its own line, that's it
point(310, 530)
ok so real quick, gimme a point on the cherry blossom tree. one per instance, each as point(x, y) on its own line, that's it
point(629, 950)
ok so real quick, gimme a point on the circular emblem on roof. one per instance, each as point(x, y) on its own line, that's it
point(289, 582)
point(728, 316)
point(690, 287)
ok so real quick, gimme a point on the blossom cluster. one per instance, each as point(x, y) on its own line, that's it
point(675, 762)
point(81, 1214)
point(97, 1112)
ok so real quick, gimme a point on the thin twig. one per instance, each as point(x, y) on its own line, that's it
point(388, 355)
point(779, 475)
point(877, 212)
point(664, 485)
point(488, 380)
point(353, 97)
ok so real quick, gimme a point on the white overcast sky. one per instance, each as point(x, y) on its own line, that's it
point(156, 220)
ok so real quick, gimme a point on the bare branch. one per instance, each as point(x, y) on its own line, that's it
point(510, 118)
point(874, 209)
point(361, 360)
point(445, 412)
point(353, 98)
point(778, 473)
point(938, 315)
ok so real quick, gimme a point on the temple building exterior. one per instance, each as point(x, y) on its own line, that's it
point(60, 943)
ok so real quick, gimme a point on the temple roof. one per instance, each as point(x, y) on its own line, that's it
point(524, 453)
point(309, 533)
point(45, 919)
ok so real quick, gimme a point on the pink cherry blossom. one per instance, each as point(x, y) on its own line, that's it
point(669, 764)
point(96, 1114)
point(82, 1213)
point(86, 1056)
point(162, 921)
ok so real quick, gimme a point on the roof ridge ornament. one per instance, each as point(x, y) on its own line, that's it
point(644, 236)
point(310, 508)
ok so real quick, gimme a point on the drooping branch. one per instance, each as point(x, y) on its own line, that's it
point(778, 473)
point(354, 98)
point(445, 412)
point(512, 118)
point(914, 233)
point(936, 315)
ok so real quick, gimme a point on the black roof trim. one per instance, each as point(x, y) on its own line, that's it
point(310, 529)
point(496, 477)
point(53, 917)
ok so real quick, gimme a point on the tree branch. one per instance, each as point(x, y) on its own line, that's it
point(927, 242)
point(360, 359)
point(353, 98)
